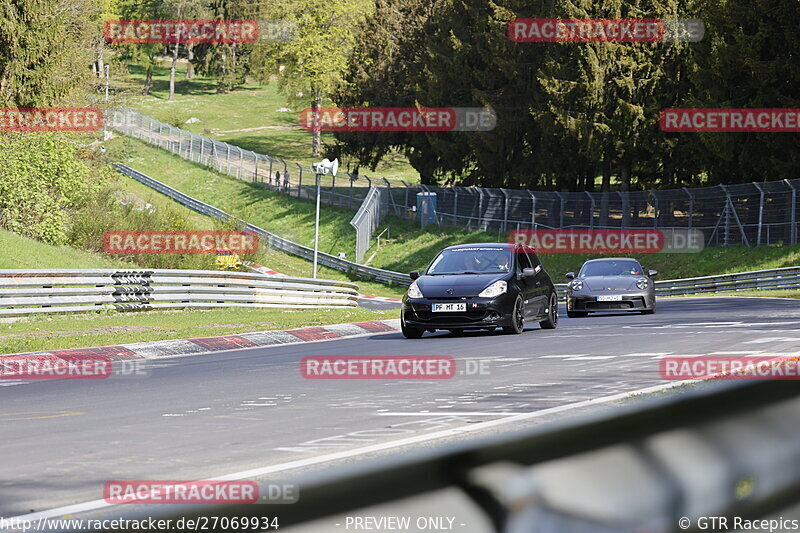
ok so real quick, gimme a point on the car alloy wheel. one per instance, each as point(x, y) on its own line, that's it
point(517, 318)
point(551, 322)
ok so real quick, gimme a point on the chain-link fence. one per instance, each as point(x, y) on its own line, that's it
point(367, 219)
point(751, 214)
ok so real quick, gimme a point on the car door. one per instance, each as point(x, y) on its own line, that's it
point(540, 290)
point(527, 285)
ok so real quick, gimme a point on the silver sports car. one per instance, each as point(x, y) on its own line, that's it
point(613, 284)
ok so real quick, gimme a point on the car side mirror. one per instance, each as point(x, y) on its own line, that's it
point(570, 275)
point(528, 272)
point(414, 274)
point(652, 273)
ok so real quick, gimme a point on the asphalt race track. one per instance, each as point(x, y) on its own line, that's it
point(213, 415)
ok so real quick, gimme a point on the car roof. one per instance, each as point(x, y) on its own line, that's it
point(507, 246)
point(611, 259)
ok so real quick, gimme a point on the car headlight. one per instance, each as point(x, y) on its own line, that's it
point(413, 291)
point(576, 285)
point(641, 283)
point(495, 289)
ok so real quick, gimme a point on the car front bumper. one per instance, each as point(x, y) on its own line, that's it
point(481, 313)
point(630, 301)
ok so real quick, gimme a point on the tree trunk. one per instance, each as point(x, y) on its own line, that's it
point(148, 80)
point(605, 187)
point(625, 187)
point(190, 57)
point(316, 137)
point(172, 69)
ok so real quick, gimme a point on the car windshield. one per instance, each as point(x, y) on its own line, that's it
point(478, 260)
point(611, 268)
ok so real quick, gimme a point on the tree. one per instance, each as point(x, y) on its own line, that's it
point(309, 65)
point(45, 50)
point(143, 53)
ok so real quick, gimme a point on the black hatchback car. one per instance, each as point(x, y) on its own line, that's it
point(480, 286)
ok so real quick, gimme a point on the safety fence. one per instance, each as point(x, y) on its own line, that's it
point(778, 278)
point(366, 221)
point(663, 464)
point(33, 292)
point(751, 214)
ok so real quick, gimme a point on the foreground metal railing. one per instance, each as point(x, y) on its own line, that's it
point(662, 464)
point(34, 292)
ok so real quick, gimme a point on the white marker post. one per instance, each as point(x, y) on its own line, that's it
point(321, 169)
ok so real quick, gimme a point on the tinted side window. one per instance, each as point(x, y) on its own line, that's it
point(534, 259)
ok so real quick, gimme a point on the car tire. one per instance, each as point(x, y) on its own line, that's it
point(551, 322)
point(409, 332)
point(648, 311)
point(517, 319)
point(577, 314)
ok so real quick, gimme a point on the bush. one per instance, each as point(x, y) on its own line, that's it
point(43, 182)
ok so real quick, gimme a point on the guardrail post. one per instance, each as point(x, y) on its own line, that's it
point(793, 228)
point(533, 209)
point(591, 209)
point(655, 208)
point(560, 210)
point(300, 178)
point(691, 206)
point(760, 211)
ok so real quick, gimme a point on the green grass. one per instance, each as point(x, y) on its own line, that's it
point(101, 329)
point(247, 117)
point(21, 252)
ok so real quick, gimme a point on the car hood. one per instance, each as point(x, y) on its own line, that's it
point(463, 285)
point(613, 283)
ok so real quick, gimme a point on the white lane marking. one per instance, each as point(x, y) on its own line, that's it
point(591, 358)
point(772, 339)
point(458, 413)
point(326, 458)
point(742, 352)
point(562, 356)
point(645, 354)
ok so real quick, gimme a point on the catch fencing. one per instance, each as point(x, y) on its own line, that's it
point(777, 278)
point(35, 292)
point(750, 214)
point(368, 217)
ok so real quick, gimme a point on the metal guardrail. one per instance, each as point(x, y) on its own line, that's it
point(725, 450)
point(777, 278)
point(272, 240)
point(756, 280)
point(33, 292)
